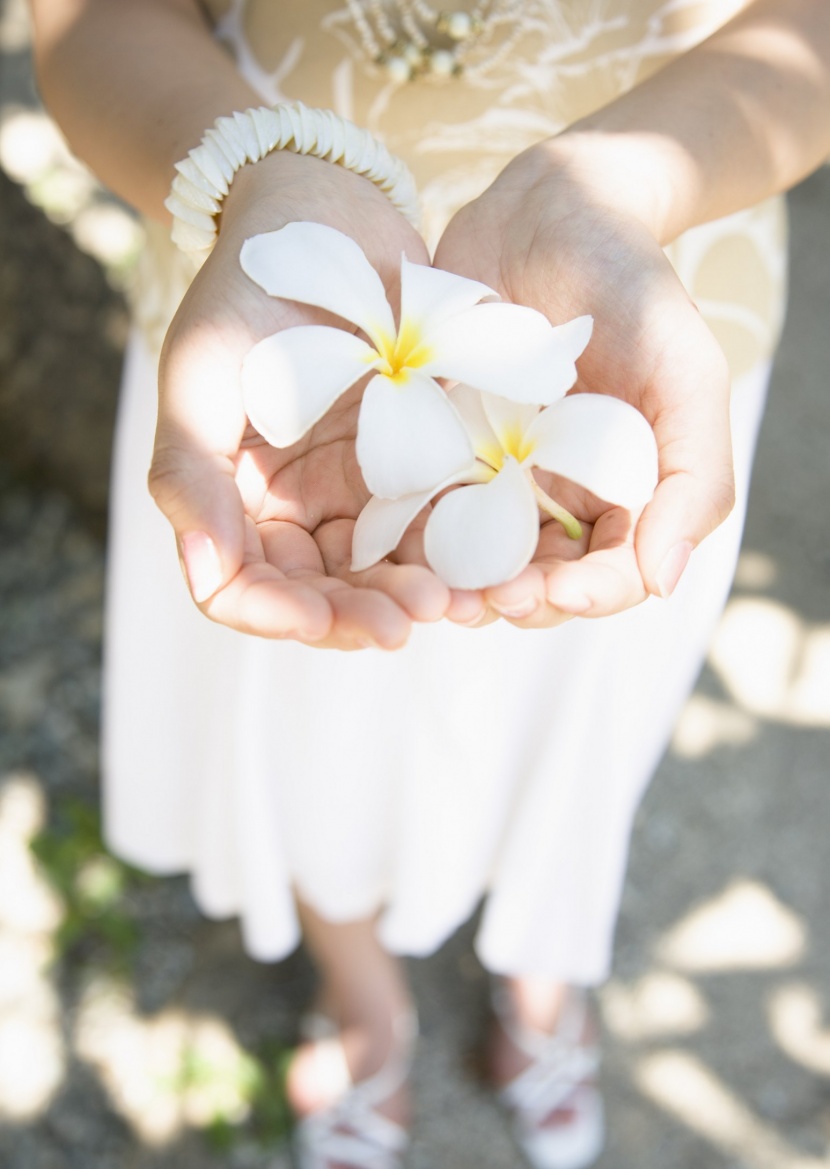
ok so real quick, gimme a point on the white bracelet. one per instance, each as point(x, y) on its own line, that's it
point(205, 176)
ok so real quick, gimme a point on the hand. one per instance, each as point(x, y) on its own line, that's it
point(557, 232)
point(265, 535)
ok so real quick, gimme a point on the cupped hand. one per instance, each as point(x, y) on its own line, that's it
point(264, 534)
point(564, 239)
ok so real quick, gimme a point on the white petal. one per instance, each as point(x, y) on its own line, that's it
point(290, 379)
point(509, 350)
point(430, 295)
point(315, 264)
point(510, 422)
point(409, 437)
point(468, 403)
point(484, 535)
point(381, 524)
point(601, 443)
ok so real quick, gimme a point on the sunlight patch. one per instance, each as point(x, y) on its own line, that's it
point(801, 1026)
point(772, 663)
point(32, 1060)
point(743, 928)
point(687, 1089)
point(658, 1004)
point(704, 725)
point(162, 1073)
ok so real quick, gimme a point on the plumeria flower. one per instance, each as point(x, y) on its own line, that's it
point(485, 532)
point(410, 436)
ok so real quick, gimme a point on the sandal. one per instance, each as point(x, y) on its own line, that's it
point(561, 1078)
point(351, 1131)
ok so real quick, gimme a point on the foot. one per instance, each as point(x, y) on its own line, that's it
point(546, 1077)
point(348, 1089)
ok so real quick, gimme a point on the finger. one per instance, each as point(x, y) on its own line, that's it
point(366, 618)
point(469, 608)
point(258, 602)
point(262, 601)
point(696, 488)
point(685, 508)
point(607, 579)
point(414, 587)
point(191, 478)
point(521, 601)
point(417, 590)
point(601, 584)
point(299, 600)
point(359, 621)
point(291, 549)
point(465, 606)
point(197, 494)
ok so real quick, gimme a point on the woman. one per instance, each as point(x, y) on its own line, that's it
point(558, 147)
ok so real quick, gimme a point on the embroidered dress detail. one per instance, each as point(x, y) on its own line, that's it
point(410, 38)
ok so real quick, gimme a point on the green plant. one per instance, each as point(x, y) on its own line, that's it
point(91, 883)
point(269, 1120)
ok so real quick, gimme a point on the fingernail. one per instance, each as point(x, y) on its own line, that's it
point(671, 569)
point(569, 602)
point(308, 634)
point(473, 621)
point(202, 564)
point(520, 610)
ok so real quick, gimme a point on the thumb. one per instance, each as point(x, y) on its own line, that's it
point(197, 493)
point(200, 425)
point(695, 494)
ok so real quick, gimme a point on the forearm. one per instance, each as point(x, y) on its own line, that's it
point(133, 84)
point(744, 115)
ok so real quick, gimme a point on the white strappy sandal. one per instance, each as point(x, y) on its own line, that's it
point(562, 1075)
point(352, 1132)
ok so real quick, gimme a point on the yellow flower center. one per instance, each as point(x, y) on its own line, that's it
point(509, 442)
point(401, 353)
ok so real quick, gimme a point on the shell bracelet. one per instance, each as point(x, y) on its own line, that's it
point(204, 177)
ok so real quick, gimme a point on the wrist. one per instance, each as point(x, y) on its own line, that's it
point(646, 176)
point(259, 189)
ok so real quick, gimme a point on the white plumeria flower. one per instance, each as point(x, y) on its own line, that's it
point(485, 533)
point(409, 435)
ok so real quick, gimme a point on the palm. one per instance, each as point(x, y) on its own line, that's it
point(313, 491)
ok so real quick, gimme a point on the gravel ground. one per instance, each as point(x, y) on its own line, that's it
point(130, 1027)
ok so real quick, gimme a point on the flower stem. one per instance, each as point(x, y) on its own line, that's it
point(571, 524)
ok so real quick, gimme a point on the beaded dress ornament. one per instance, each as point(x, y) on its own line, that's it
point(410, 38)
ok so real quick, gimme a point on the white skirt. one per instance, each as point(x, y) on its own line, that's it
point(497, 761)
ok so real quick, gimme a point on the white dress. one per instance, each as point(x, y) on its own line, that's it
point(493, 762)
